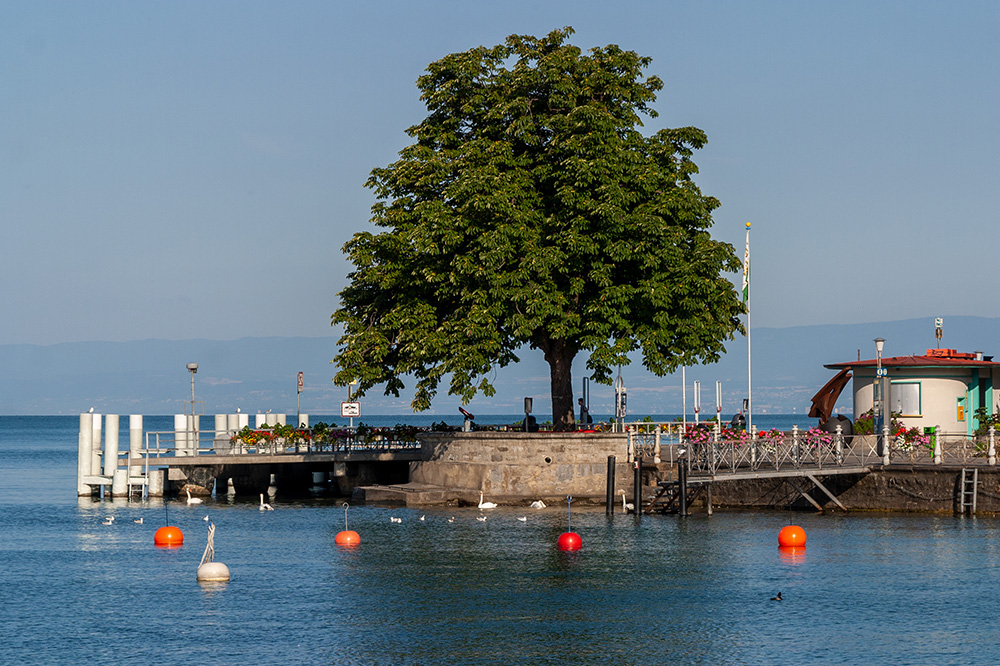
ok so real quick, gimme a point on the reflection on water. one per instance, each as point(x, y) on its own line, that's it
point(792, 554)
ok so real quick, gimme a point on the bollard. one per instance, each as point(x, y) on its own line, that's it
point(991, 453)
point(637, 488)
point(609, 491)
point(656, 445)
point(631, 444)
point(84, 457)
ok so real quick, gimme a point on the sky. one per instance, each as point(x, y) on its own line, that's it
point(192, 169)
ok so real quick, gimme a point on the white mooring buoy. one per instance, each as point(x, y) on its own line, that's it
point(209, 570)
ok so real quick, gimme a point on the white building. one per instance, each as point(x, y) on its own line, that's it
point(942, 388)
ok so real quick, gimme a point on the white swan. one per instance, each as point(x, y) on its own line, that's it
point(394, 519)
point(627, 507)
point(481, 519)
point(193, 500)
point(137, 521)
point(523, 519)
point(263, 506)
point(110, 520)
point(205, 518)
point(422, 518)
point(538, 504)
point(452, 519)
point(485, 505)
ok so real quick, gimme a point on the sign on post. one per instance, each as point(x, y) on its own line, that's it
point(300, 382)
point(350, 409)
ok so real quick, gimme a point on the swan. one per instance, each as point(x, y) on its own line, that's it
point(193, 500)
point(263, 506)
point(452, 519)
point(422, 517)
point(523, 519)
point(110, 520)
point(485, 505)
point(538, 504)
point(394, 519)
point(481, 519)
point(137, 521)
point(205, 518)
point(626, 507)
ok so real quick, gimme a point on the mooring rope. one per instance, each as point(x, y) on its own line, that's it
point(209, 554)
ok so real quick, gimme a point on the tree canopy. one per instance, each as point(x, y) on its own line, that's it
point(530, 209)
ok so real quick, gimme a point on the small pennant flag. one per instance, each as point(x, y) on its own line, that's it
point(746, 268)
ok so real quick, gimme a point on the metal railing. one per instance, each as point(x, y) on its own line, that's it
point(265, 442)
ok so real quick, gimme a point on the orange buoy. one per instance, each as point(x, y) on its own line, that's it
point(347, 538)
point(791, 535)
point(168, 536)
point(569, 541)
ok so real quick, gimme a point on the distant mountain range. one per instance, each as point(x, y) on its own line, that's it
point(259, 374)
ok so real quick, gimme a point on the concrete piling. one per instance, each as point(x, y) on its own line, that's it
point(84, 458)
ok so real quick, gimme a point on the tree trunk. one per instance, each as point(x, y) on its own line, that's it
point(559, 356)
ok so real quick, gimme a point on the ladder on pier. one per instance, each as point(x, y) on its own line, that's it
point(968, 490)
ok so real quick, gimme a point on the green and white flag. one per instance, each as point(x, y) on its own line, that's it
point(746, 268)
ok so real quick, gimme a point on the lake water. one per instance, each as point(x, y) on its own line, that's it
point(868, 588)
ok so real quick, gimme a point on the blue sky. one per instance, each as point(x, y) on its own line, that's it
point(191, 169)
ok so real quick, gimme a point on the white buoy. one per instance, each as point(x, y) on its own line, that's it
point(209, 570)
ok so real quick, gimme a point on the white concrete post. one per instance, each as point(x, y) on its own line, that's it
point(271, 419)
point(119, 483)
point(281, 419)
point(303, 421)
point(753, 445)
point(656, 445)
point(221, 439)
point(839, 445)
point(180, 435)
point(95, 460)
point(631, 444)
point(85, 451)
point(135, 442)
point(991, 453)
point(111, 445)
point(157, 482)
point(886, 443)
point(242, 421)
point(937, 445)
point(259, 420)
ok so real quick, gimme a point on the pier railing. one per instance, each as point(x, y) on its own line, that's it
point(275, 441)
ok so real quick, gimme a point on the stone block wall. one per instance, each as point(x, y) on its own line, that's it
point(518, 465)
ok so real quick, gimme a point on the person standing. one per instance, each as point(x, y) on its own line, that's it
point(585, 417)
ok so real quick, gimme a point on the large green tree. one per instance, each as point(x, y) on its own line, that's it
point(531, 210)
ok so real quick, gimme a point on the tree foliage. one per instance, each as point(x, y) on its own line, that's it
point(530, 209)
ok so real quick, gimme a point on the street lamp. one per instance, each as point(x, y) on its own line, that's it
point(877, 397)
point(193, 369)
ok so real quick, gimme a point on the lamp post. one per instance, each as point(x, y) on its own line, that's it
point(877, 394)
point(192, 436)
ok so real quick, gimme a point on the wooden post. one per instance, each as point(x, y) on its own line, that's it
point(609, 493)
point(637, 488)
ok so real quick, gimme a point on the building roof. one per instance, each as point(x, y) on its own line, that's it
point(941, 358)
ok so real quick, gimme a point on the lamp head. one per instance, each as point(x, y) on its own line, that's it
point(192, 368)
point(879, 344)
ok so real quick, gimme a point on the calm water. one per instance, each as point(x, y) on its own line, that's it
point(869, 588)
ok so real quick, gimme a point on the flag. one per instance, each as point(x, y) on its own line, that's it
point(746, 268)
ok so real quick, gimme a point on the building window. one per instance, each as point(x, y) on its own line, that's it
point(905, 398)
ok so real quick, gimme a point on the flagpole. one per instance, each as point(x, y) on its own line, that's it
point(746, 299)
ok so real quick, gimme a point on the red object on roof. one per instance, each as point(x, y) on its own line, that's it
point(933, 357)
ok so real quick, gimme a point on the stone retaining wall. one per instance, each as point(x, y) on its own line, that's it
point(898, 488)
point(517, 465)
